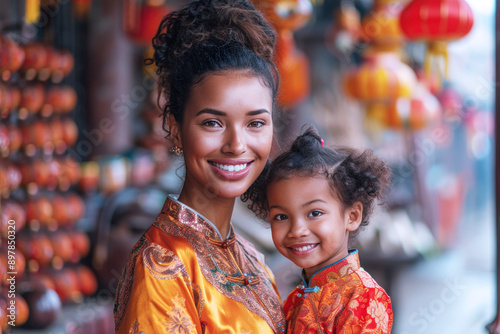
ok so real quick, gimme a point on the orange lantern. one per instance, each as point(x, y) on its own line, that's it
point(437, 22)
point(381, 79)
point(417, 113)
point(286, 16)
point(381, 27)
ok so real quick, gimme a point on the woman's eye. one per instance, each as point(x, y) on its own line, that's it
point(315, 213)
point(211, 124)
point(257, 124)
point(280, 217)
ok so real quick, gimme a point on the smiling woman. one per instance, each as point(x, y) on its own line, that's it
point(190, 272)
point(226, 137)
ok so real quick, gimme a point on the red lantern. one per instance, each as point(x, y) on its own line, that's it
point(142, 23)
point(437, 22)
point(35, 59)
point(11, 57)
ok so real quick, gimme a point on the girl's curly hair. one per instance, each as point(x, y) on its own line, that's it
point(211, 36)
point(354, 176)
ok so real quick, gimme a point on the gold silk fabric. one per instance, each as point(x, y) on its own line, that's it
point(182, 277)
point(341, 298)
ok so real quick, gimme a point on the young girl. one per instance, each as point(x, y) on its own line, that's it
point(316, 198)
point(190, 272)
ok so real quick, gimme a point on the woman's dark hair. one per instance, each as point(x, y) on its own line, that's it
point(354, 176)
point(211, 36)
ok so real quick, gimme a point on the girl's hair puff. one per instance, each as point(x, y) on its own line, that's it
point(211, 36)
point(354, 176)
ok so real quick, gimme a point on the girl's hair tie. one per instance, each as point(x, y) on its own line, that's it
point(322, 142)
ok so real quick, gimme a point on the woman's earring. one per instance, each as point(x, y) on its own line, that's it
point(176, 150)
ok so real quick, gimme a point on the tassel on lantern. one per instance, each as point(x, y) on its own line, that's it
point(32, 14)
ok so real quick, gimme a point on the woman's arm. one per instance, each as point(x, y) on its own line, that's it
point(155, 295)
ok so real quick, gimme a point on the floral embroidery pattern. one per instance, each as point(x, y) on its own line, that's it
point(135, 329)
point(163, 263)
point(346, 301)
point(126, 281)
point(378, 312)
point(178, 319)
point(199, 301)
point(215, 263)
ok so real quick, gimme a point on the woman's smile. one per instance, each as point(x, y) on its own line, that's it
point(231, 169)
point(226, 133)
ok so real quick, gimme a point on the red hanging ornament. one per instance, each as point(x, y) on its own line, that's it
point(142, 21)
point(437, 22)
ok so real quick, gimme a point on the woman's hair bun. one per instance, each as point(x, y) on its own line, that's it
point(212, 22)
point(307, 143)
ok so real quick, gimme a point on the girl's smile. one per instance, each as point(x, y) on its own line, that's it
point(310, 226)
point(303, 249)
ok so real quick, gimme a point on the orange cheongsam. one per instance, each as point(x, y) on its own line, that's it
point(182, 277)
point(341, 298)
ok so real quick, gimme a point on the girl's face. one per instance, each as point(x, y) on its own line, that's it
point(308, 223)
point(226, 134)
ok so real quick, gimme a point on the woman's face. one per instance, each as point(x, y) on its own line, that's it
point(226, 134)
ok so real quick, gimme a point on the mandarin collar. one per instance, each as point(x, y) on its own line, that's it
point(334, 271)
point(192, 218)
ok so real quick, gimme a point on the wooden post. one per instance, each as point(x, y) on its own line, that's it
point(112, 96)
point(494, 327)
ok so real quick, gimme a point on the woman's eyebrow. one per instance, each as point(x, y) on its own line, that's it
point(258, 112)
point(221, 113)
point(211, 111)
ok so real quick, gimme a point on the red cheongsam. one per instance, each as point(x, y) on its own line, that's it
point(341, 298)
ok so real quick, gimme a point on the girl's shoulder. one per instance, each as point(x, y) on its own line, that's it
point(366, 279)
point(370, 286)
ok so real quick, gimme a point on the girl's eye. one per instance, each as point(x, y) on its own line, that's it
point(257, 124)
point(280, 217)
point(211, 123)
point(315, 213)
